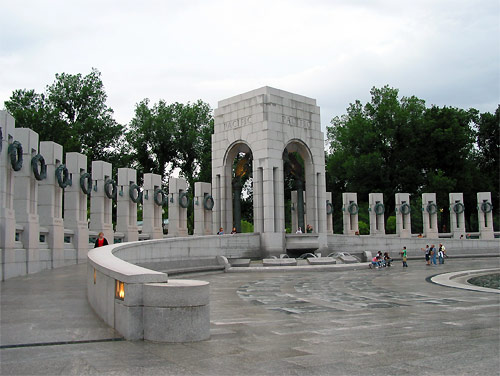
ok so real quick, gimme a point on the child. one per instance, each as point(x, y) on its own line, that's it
point(403, 253)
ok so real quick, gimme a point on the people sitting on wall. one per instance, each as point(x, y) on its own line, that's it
point(309, 229)
point(233, 231)
point(221, 231)
point(299, 231)
point(101, 240)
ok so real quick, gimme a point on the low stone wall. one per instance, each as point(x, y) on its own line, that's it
point(454, 247)
point(151, 305)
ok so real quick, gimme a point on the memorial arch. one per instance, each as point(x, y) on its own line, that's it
point(268, 124)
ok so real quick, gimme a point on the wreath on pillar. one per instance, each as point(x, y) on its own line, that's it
point(163, 201)
point(135, 197)
point(379, 208)
point(432, 208)
point(208, 202)
point(405, 209)
point(15, 152)
point(86, 183)
point(40, 173)
point(329, 207)
point(353, 208)
point(183, 200)
point(458, 208)
point(486, 207)
point(62, 176)
point(110, 183)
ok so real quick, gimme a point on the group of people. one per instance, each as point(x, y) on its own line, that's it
point(221, 231)
point(381, 260)
point(309, 230)
point(432, 254)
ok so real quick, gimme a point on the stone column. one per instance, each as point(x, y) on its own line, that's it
point(350, 216)
point(457, 215)
point(26, 198)
point(10, 265)
point(403, 217)
point(126, 208)
point(485, 215)
point(329, 213)
point(295, 212)
point(202, 208)
point(151, 211)
point(177, 215)
point(50, 196)
point(76, 203)
point(429, 215)
point(101, 205)
point(376, 211)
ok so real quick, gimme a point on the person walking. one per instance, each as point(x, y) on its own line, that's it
point(441, 253)
point(433, 254)
point(101, 240)
point(405, 257)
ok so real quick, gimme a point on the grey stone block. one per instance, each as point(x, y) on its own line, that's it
point(321, 261)
point(181, 324)
point(240, 263)
point(177, 293)
point(279, 262)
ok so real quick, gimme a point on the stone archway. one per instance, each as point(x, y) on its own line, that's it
point(265, 121)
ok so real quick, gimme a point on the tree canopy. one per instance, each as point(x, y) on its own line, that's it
point(71, 112)
point(394, 144)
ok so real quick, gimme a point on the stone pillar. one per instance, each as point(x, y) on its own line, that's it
point(177, 214)
point(295, 212)
point(203, 205)
point(101, 205)
point(151, 211)
point(26, 198)
point(126, 208)
point(376, 211)
point(403, 217)
point(457, 215)
point(76, 203)
point(329, 213)
point(429, 215)
point(350, 216)
point(11, 267)
point(50, 196)
point(485, 215)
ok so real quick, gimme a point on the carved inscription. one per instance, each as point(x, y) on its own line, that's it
point(295, 121)
point(237, 123)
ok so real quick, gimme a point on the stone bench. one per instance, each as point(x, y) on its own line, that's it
point(321, 261)
point(279, 262)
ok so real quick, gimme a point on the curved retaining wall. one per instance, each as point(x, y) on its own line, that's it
point(155, 307)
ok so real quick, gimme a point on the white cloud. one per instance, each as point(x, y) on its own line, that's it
point(445, 52)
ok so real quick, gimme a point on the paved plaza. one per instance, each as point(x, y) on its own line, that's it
point(388, 321)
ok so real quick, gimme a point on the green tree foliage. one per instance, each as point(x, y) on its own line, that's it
point(392, 145)
point(71, 112)
point(164, 136)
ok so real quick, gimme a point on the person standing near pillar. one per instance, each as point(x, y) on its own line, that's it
point(101, 241)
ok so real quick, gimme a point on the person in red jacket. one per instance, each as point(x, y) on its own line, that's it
point(101, 240)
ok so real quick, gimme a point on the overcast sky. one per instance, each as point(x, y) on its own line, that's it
point(443, 51)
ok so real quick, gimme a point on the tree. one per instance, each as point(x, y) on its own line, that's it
point(73, 113)
point(163, 137)
point(392, 145)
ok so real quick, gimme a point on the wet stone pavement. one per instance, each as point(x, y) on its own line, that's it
point(388, 321)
